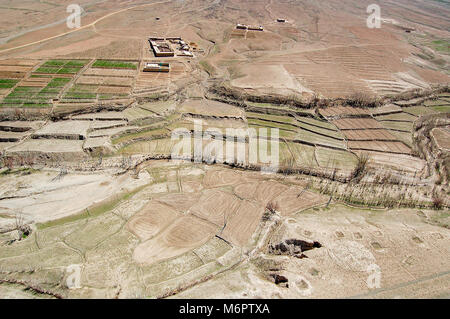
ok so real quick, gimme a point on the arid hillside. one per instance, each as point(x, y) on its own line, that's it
point(274, 149)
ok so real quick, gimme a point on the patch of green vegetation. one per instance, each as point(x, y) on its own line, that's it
point(438, 102)
point(398, 126)
point(8, 83)
point(61, 67)
point(53, 63)
point(38, 76)
point(21, 171)
point(77, 88)
point(441, 219)
point(58, 82)
point(36, 97)
point(114, 64)
point(270, 117)
point(441, 46)
point(81, 95)
point(76, 63)
point(68, 70)
point(419, 110)
point(442, 108)
point(26, 89)
point(47, 70)
point(36, 105)
point(147, 134)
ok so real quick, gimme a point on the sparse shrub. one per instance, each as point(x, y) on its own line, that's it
point(288, 165)
point(271, 209)
point(361, 99)
point(438, 202)
point(361, 166)
point(8, 162)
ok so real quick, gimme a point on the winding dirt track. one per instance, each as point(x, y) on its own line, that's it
point(83, 27)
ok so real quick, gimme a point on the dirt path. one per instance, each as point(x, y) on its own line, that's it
point(83, 27)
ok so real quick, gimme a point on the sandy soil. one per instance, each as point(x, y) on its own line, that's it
point(43, 196)
point(156, 228)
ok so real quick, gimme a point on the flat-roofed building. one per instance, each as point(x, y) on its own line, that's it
point(156, 67)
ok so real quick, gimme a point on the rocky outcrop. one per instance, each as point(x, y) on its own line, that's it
point(293, 247)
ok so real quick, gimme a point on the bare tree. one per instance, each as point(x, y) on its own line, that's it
point(23, 229)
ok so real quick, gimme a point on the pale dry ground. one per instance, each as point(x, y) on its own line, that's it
point(44, 196)
point(412, 255)
point(325, 47)
point(163, 240)
point(159, 229)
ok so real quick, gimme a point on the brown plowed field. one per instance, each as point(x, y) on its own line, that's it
point(219, 178)
point(19, 62)
point(296, 199)
point(110, 72)
point(180, 202)
point(215, 206)
point(183, 235)
point(151, 220)
point(357, 124)
point(105, 80)
point(241, 226)
point(442, 138)
point(390, 147)
point(114, 89)
point(260, 191)
point(342, 111)
point(369, 135)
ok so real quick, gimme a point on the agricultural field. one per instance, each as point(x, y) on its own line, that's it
point(60, 67)
point(281, 161)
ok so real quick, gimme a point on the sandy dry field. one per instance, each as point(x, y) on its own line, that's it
point(335, 186)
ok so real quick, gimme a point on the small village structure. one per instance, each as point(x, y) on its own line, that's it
point(161, 48)
point(169, 47)
point(249, 27)
point(156, 67)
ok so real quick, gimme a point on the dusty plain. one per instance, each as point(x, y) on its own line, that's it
point(99, 169)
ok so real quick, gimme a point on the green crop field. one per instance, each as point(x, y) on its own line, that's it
point(114, 65)
point(315, 122)
point(441, 101)
point(441, 46)
point(313, 138)
point(404, 137)
point(61, 67)
point(7, 83)
point(58, 82)
point(35, 97)
point(399, 126)
point(441, 108)
point(321, 131)
point(419, 110)
point(403, 117)
point(271, 118)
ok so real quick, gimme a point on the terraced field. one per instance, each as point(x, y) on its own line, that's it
point(281, 161)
